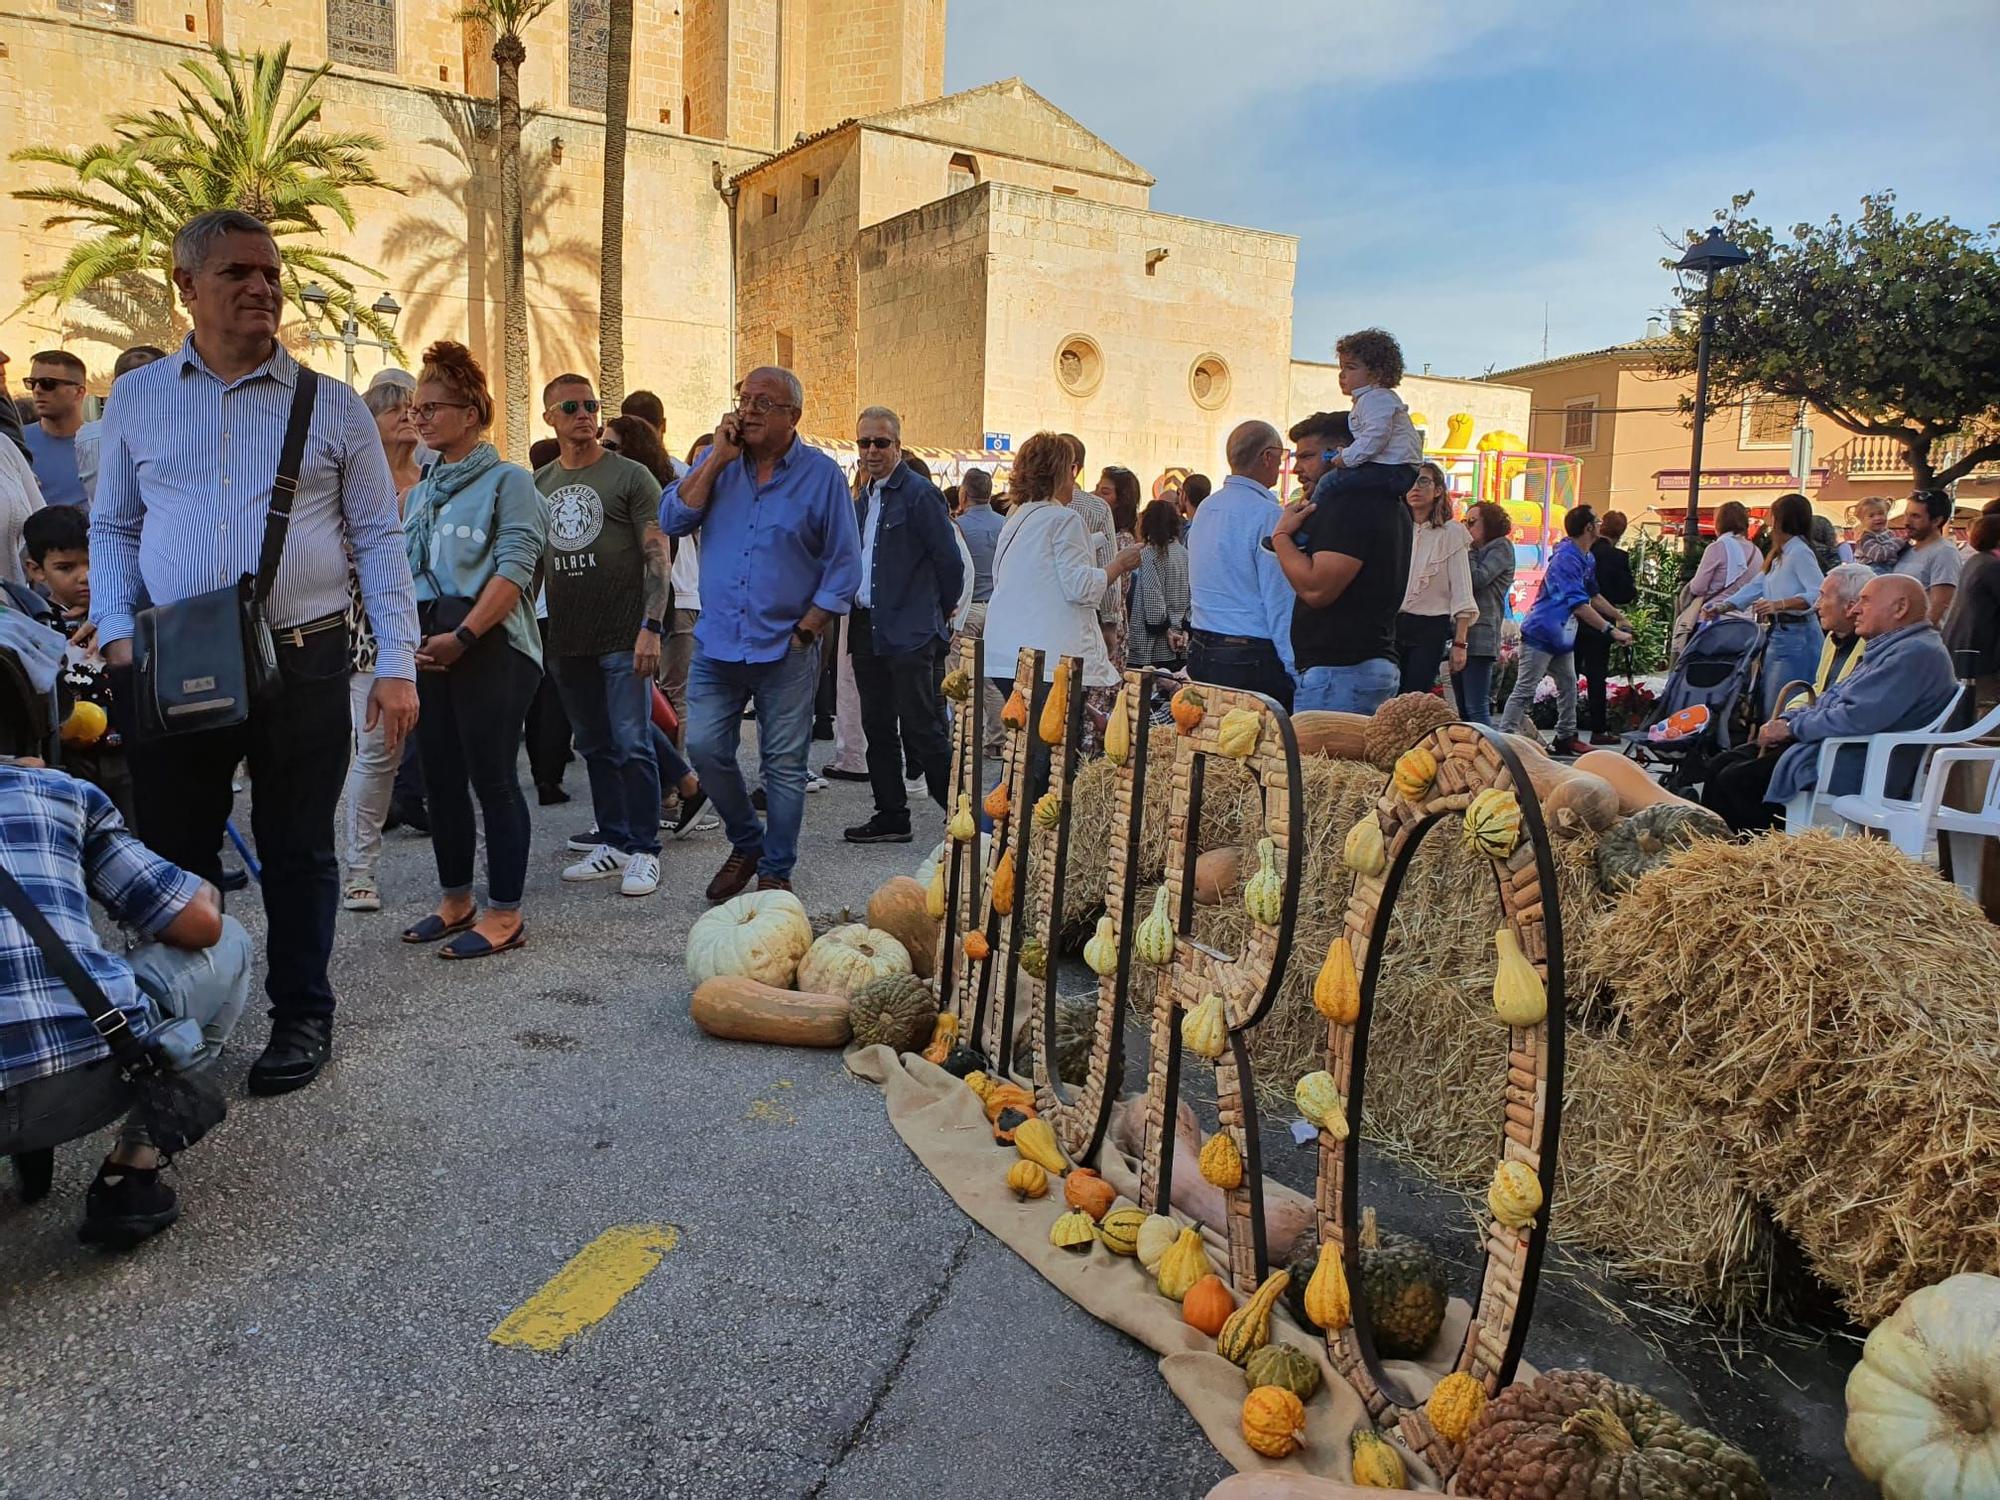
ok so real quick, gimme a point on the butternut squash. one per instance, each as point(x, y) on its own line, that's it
point(1636, 790)
point(1569, 797)
point(1325, 732)
point(742, 1010)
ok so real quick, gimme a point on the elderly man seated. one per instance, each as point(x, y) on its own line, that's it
point(1841, 649)
point(1904, 681)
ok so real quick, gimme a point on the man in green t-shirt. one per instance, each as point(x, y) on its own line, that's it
point(606, 572)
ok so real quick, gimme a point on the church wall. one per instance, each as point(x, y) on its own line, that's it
point(437, 246)
point(922, 340)
point(1060, 267)
point(796, 276)
point(902, 172)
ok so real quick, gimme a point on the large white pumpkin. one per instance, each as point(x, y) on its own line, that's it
point(848, 957)
point(1923, 1406)
point(759, 935)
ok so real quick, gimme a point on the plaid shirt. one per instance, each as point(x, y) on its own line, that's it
point(64, 842)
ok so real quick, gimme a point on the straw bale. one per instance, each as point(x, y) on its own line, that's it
point(1833, 1004)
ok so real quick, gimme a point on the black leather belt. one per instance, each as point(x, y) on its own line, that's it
point(1210, 638)
point(1788, 619)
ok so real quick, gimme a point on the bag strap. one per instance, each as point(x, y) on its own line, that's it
point(110, 1022)
point(285, 486)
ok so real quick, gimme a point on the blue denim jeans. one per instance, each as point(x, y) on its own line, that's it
point(782, 691)
point(1474, 687)
point(610, 710)
point(1359, 689)
point(1791, 654)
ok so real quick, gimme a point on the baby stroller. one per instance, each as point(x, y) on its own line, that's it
point(1714, 673)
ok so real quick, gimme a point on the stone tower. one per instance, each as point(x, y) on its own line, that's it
point(762, 73)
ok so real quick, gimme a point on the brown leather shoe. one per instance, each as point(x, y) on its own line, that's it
point(734, 875)
point(773, 883)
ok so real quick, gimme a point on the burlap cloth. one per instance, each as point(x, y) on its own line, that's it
point(939, 1119)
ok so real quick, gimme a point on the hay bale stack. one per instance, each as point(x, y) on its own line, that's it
point(1833, 1004)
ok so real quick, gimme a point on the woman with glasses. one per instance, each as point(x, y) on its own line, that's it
point(1438, 606)
point(476, 528)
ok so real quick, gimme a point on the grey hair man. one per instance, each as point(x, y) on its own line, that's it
point(1241, 613)
point(911, 576)
point(189, 455)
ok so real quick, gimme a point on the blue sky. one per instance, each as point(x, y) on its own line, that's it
point(1452, 170)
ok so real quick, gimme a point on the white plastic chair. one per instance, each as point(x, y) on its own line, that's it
point(1910, 826)
point(1811, 808)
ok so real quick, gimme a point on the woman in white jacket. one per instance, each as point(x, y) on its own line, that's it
point(1046, 586)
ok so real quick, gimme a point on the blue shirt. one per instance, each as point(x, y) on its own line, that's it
point(1235, 584)
point(980, 526)
point(1793, 574)
point(184, 478)
point(54, 461)
point(1571, 581)
point(769, 552)
point(65, 843)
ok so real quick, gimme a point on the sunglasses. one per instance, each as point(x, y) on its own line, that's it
point(49, 383)
point(571, 408)
point(874, 443)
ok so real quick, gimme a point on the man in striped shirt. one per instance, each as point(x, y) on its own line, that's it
point(189, 451)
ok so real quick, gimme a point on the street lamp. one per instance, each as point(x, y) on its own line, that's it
point(1711, 256)
point(318, 299)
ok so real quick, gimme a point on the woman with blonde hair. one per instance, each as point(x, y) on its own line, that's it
point(1438, 606)
point(476, 528)
point(1046, 585)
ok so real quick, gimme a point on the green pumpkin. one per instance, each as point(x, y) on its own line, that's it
point(1406, 1291)
point(1076, 1034)
point(1286, 1366)
point(898, 1009)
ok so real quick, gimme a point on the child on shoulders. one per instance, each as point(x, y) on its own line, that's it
point(1386, 450)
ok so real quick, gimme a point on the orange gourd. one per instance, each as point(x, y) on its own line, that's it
point(1086, 1192)
point(1208, 1304)
point(976, 946)
point(1188, 706)
point(1015, 713)
point(997, 802)
point(1003, 884)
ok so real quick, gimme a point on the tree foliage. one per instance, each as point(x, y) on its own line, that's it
point(1888, 325)
point(238, 138)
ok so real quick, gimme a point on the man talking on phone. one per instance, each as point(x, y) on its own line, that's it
point(780, 558)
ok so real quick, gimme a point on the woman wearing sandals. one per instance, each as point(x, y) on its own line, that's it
point(476, 528)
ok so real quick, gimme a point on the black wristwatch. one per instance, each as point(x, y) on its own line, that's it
point(658, 627)
point(466, 636)
point(804, 636)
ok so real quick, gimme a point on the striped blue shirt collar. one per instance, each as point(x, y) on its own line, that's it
point(281, 367)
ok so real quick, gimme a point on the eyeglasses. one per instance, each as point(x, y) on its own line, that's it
point(571, 408)
point(49, 383)
point(866, 443)
point(429, 410)
point(762, 404)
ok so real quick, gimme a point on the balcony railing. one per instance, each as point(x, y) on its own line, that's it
point(1873, 457)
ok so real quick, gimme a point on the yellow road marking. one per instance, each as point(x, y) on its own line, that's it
point(584, 1291)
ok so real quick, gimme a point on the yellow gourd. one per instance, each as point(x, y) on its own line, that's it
point(1055, 708)
point(1003, 884)
point(1101, 952)
point(981, 1084)
point(1364, 852)
point(1183, 1265)
point(1157, 1236)
point(1326, 1293)
point(1264, 892)
point(1493, 822)
point(1014, 713)
point(1204, 1030)
point(1454, 1405)
point(998, 803)
point(1337, 988)
point(1075, 1232)
point(1377, 1466)
point(1154, 941)
point(1035, 1140)
point(1416, 769)
point(1319, 1101)
point(944, 1031)
point(957, 685)
point(1518, 993)
point(1249, 1327)
point(1273, 1419)
point(1221, 1163)
point(1048, 810)
point(1026, 1178)
point(1516, 1194)
point(963, 826)
point(935, 894)
point(1238, 732)
point(1117, 732)
point(1119, 1230)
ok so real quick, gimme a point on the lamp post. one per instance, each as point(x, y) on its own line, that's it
point(349, 338)
point(1711, 255)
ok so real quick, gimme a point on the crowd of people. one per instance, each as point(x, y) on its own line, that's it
point(424, 610)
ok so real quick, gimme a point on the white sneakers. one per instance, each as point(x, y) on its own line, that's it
point(638, 874)
point(642, 875)
point(601, 862)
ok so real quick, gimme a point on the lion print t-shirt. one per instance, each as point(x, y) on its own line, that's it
point(595, 566)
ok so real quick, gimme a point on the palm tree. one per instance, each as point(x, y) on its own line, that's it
point(236, 139)
point(617, 105)
point(507, 19)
